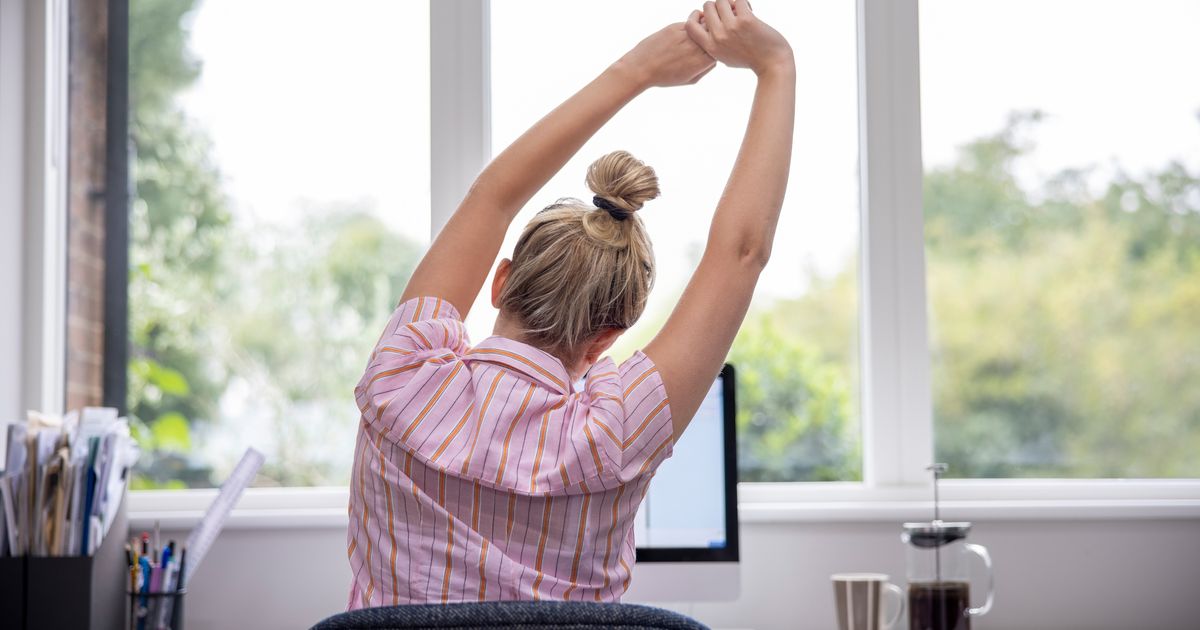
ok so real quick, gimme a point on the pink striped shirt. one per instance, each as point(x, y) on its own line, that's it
point(482, 473)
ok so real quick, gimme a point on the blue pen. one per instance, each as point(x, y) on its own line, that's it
point(145, 562)
point(166, 556)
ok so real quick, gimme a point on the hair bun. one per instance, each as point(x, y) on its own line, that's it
point(622, 179)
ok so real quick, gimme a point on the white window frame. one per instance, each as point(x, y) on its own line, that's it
point(34, 63)
point(897, 418)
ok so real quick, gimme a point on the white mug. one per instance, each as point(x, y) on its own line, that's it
point(858, 600)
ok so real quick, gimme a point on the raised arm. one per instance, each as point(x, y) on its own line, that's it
point(457, 263)
point(693, 344)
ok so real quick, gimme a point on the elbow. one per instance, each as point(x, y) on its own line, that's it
point(754, 255)
point(485, 194)
point(747, 250)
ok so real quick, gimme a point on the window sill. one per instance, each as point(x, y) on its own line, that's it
point(1000, 500)
point(1001, 510)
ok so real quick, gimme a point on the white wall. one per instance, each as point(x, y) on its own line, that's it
point(1092, 574)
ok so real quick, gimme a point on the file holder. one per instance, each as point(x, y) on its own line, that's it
point(80, 592)
point(12, 591)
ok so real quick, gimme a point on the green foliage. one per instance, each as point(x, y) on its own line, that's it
point(171, 432)
point(1064, 322)
point(160, 64)
point(300, 325)
point(164, 379)
point(795, 420)
point(179, 227)
point(1065, 317)
point(227, 314)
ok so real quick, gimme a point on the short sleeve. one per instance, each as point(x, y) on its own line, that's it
point(630, 424)
point(422, 336)
point(424, 324)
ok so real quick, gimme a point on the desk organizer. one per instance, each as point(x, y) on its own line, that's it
point(156, 611)
point(87, 593)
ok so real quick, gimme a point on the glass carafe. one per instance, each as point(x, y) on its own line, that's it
point(939, 575)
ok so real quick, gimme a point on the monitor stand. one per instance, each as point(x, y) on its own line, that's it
point(684, 582)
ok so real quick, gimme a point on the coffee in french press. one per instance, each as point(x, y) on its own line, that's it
point(939, 592)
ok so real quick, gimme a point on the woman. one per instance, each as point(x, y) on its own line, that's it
point(513, 469)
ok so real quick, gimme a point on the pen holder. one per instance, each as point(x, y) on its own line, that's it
point(156, 611)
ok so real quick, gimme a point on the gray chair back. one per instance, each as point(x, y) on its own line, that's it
point(541, 615)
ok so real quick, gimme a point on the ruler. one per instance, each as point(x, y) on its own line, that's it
point(209, 527)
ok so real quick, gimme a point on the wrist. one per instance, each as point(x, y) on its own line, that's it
point(782, 65)
point(631, 74)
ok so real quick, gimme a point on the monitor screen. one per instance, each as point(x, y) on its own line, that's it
point(687, 506)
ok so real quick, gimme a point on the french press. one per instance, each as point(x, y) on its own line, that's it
point(939, 560)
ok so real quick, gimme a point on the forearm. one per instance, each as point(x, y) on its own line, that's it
point(744, 223)
point(527, 164)
point(457, 263)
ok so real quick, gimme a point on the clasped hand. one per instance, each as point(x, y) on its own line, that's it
point(725, 31)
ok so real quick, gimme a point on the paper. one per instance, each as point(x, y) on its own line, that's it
point(63, 481)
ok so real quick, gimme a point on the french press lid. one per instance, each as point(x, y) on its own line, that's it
point(937, 532)
point(934, 533)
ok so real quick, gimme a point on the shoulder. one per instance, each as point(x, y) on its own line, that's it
point(424, 324)
point(630, 392)
point(628, 424)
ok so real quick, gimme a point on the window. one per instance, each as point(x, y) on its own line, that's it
point(283, 191)
point(281, 200)
point(797, 354)
point(1062, 227)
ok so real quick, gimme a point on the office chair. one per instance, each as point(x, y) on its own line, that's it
point(541, 615)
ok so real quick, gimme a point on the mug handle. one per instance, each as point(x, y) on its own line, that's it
point(895, 590)
point(982, 552)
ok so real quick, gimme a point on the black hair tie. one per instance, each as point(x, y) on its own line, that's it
point(609, 207)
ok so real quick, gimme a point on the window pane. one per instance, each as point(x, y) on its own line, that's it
point(797, 355)
point(1062, 225)
point(282, 198)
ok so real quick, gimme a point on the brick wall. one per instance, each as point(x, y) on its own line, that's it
point(85, 222)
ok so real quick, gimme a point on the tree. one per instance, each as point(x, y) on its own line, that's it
point(1064, 316)
point(797, 382)
point(240, 332)
point(306, 312)
point(795, 420)
point(179, 229)
point(1064, 320)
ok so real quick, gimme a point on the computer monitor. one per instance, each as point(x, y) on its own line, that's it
point(687, 528)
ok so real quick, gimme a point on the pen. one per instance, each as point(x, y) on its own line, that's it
point(131, 560)
point(182, 567)
point(145, 564)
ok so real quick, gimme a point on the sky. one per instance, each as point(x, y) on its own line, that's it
point(315, 104)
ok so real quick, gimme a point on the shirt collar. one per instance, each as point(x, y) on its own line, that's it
point(537, 364)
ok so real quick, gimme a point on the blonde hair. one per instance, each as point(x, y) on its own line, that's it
point(577, 269)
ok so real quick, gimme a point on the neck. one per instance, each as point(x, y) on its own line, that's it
point(506, 327)
point(509, 328)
